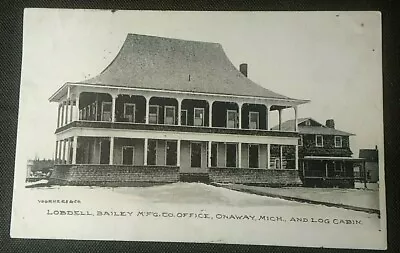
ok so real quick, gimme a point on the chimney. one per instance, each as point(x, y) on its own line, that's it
point(243, 69)
point(330, 123)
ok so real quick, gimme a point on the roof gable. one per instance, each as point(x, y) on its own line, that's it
point(178, 65)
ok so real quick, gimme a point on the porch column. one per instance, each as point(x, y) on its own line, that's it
point(114, 98)
point(62, 113)
point(66, 112)
point(209, 154)
point(280, 119)
point(63, 152)
point(304, 168)
point(268, 156)
point(179, 111)
point(281, 156)
point(74, 149)
point(267, 117)
point(295, 119)
point(210, 105)
point(67, 151)
point(77, 106)
point(56, 154)
point(59, 151)
point(178, 153)
point(71, 110)
point(147, 114)
point(146, 144)
point(296, 157)
point(111, 161)
point(58, 115)
point(240, 114)
point(239, 155)
point(326, 169)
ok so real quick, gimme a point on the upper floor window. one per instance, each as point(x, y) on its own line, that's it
point(129, 112)
point(301, 140)
point(198, 119)
point(254, 120)
point(153, 114)
point(106, 108)
point(319, 140)
point(184, 117)
point(231, 119)
point(308, 123)
point(169, 115)
point(338, 141)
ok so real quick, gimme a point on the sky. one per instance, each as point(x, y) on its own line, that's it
point(333, 59)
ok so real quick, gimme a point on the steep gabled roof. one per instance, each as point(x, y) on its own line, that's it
point(151, 62)
point(317, 128)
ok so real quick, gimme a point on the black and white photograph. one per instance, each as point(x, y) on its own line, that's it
point(257, 128)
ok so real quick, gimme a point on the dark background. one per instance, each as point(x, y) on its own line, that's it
point(11, 18)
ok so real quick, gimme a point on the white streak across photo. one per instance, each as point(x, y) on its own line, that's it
point(262, 128)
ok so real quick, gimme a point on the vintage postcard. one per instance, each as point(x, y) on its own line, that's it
point(257, 128)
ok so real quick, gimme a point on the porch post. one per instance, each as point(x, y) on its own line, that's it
point(209, 154)
point(74, 148)
point(63, 152)
point(147, 114)
point(240, 104)
point(56, 154)
point(326, 169)
point(280, 119)
point(66, 112)
point(58, 115)
point(114, 97)
point(210, 105)
point(281, 156)
point(179, 111)
point(59, 151)
point(146, 144)
point(71, 110)
point(267, 117)
point(62, 113)
point(67, 151)
point(268, 156)
point(111, 161)
point(239, 155)
point(178, 153)
point(77, 105)
point(295, 119)
point(296, 157)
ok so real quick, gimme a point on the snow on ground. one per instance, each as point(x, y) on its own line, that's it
point(354, 197)
point(282, 223)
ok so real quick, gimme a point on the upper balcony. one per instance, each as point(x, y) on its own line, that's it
point(173, 113)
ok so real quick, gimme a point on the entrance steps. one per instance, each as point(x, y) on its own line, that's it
point(194, 177)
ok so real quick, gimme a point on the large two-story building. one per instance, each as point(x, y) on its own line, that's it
point(325, 157)
point(166, 110)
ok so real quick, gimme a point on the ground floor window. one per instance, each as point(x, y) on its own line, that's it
point(231, 155)
point(127, 155)
point(253, 156)
point(152, 152)
point(171, 152)
point(195, 155)
point(214, 154)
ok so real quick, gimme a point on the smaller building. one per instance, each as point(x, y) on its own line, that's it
point(38, 169)
point(325, 158)
point(371, 164)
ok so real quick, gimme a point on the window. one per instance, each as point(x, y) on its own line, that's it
point(169, 115)
point(184, 117)
point(153, 114)
point(319, 141)
point(152, 152)
point(214, 154)
point(308, 123)
point(338, 166)
point(231, 155)
point(301, 140)
point(127, 155)
point(338, 141)
point(195, 161)
point(171, 152)
point(106, 108)
point(253, 156)
point(198, 118)
point(231, 119)
point(254, 120)
point(129, 112)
